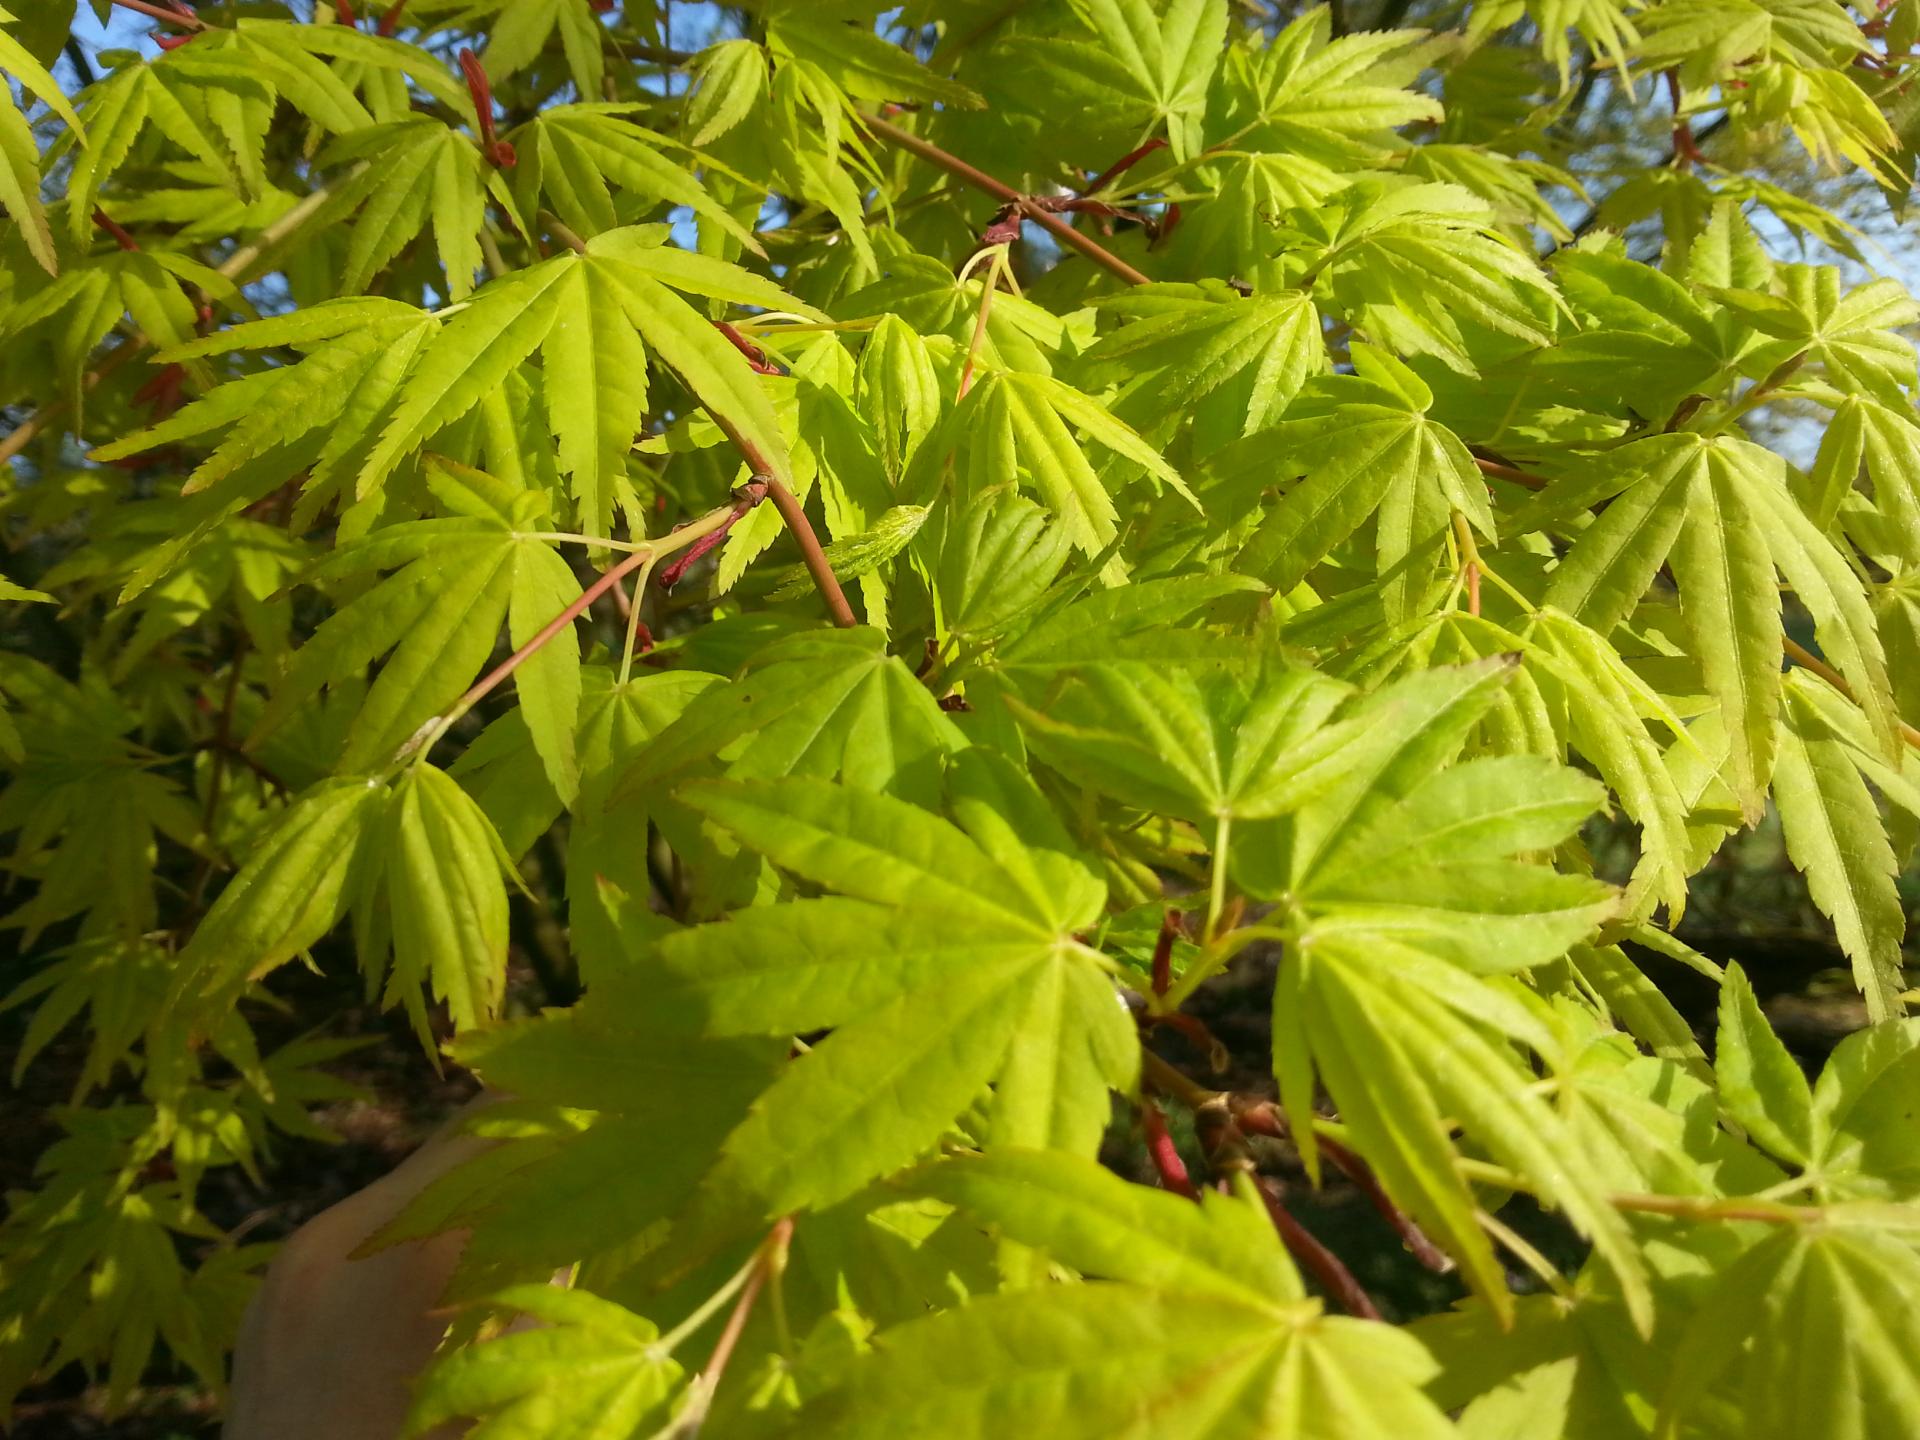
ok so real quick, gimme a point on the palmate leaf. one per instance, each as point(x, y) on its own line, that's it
point(1719, 510)
point(1852, 338)
point(1166, 60)
point(79, 309)
point(1185, 344)
point(1644, 340)
point(1406, 262)
point(1377, 992)
point(551, 308)
point(409, 173)
point(1366, 448)
point(455, 581)
point(1026, 425)
point(591, 1368)
point(420, 864)
point(295, 886)
point(445, 900)
point(1806, 1304)
point(523, 28)
point(847, 51)
point(1335, 100)
point(1835, 835)
point(821, 705)
point(312, 418)
point(576, 157)
point(1209, 746)
point(1237, 1351)
point(960, 937)
point(213, 100)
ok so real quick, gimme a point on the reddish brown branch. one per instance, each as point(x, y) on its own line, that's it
point(1000, 190)
point(1263, 1117)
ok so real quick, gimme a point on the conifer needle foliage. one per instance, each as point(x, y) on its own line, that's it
point(894, 548)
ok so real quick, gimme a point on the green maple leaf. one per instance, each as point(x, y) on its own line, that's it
point(1807, 1298)
point(950, 962)
point(1719, 512)
point(1238, 1351)
point(591, 318)
point(821, 705)
point(1852, 338)
point(1156, 67)
point(1209, 746)
point(1026, 425)
point(1248, 357)
point(523, 29)
point(1333, 100)
point(840, 40)
point(1407, 262)
point(411, 172)
point(455, 581)
point(1402, 887)
point(592, 1369)
point(577, 157)
point(1366, 448)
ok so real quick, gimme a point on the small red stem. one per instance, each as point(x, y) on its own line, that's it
point(119, 232)
point(1120, 167)
point(1165, 1155)
point(180, 19)
point(1163, 952)
point(478, 86)
point(1322, 1263)
point(671, 576)
point(1264, 1118)
point(1686, 151)
point(390, 21)
point(756, 357)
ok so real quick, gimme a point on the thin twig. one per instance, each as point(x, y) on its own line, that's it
point(1499, 471)
point(1000, 190)
point(166, 14)
point(812, 554)
point(562, 233)
point(1263, 1117)
point(1807, 660)
point(429, 734)
point(1325, 1266)
point(769, 1260)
